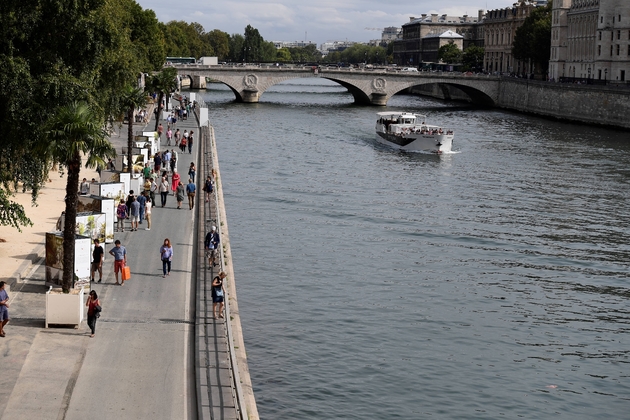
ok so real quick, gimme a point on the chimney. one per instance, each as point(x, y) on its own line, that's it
point(411, 18)
point(434, 17)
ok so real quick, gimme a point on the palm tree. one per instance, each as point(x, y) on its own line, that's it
point(75, 130)
point(163, 82)
point(131, 99)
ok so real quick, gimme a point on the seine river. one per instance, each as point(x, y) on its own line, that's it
point(489, 283)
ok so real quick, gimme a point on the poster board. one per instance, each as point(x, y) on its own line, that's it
point(54, 259)
point(97, 204)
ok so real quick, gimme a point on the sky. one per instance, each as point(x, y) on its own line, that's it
point(317, 21)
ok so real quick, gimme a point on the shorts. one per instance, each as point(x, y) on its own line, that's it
point(95, 266)
point(217, 299)
point(4, 314)
point(119, 265)
point(134, 218)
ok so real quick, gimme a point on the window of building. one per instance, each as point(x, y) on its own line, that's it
point(599, 50)
point(601, 19)
point(618, 34)
point(600, 35)
point(611, 47)
point(618, 48)
point(622, 75)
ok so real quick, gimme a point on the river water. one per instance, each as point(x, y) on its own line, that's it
point(374, 284)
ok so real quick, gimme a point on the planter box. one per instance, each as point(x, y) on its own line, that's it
point(64, 309)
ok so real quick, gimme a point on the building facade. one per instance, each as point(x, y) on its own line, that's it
point(590, 40)
point(409, 50)
point(500, 28)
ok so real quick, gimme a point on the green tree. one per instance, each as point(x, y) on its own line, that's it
point(73, 131)
point(131, 99)
point(532, 41)
point(236, 47)
point(163, 83)
point(252, 46)
point(472, 58)
point(220, 42)
point(449, 53)
point(283, 55)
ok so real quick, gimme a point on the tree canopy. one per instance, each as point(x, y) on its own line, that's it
point(55, 52)
point(532, 41)
point(450, 53)
point(472, 58)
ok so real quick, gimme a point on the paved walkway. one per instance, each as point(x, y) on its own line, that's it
point(140, 364)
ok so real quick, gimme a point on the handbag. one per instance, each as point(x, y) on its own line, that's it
point(126, 273)
point(218, 292)
point(97, 311)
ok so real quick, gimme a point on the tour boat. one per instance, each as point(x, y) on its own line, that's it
point(409, 132)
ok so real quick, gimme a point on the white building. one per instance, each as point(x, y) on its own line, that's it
point(590, 39)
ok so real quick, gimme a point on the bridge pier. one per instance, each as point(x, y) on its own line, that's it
point(378, 99)
point(198, 82)
point(250, 96)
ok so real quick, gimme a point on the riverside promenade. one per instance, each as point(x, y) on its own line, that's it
point(146, 360)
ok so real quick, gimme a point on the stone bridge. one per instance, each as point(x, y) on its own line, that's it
point(368, 87)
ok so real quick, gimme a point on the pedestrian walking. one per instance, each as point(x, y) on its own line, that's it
point(154, 190)
point(166, 254)
point(192, 170)
point(218, 294)
point(160, 131)
point(211, 242)
point(120, 259)
point(146, 171)
point(121, 214)
point(175, 181)
point(190, 141)
point(147, 213)
point(94, 311)
point(97, 261)
point(191, 190)
point(166, 160)
point(134, 213)
point(4, 308)
point(157, 162)
point(180, 194)
point(142, 200)
point(208, 187)
point(164, 190)
point(183, 143)
point(169, 136)
point(173, 160)
point(177, 136)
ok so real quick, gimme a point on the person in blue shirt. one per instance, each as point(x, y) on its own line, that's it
point(191, 188)
point(120, 259)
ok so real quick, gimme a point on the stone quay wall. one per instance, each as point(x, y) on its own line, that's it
point(601, 105)
point(587, 104)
